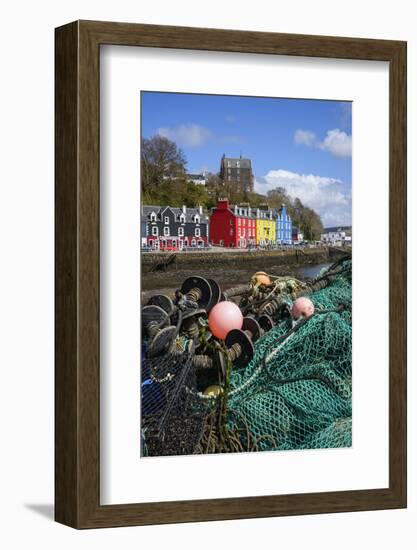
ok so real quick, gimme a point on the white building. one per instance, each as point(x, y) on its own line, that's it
point(337, 236)
point(198, 179)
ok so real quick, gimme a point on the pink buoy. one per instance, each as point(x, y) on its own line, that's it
point(302, 307)
point(224, 317)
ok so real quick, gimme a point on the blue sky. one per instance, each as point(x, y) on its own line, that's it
point(302, 145)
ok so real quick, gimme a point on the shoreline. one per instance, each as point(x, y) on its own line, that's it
point(228, 265)
point(226, 275)
point(153, 262)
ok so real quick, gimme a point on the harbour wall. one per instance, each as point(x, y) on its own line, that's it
point(235, 259)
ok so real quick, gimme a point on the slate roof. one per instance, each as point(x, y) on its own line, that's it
point(278, 213)
point(264, 213)
point(337, 229)
point(200, 177)
point(243, 163)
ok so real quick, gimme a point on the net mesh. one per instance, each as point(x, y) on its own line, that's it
point(296, 393)
point(173, 413)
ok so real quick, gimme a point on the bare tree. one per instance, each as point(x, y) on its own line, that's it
point(161, 160)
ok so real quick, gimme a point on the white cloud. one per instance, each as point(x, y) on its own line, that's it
point(336, 142)
point(304, 137)
point(194, 135)
point(329, 197)
point(186, 135)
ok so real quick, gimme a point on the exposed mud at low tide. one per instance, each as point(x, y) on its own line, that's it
point(227, 277)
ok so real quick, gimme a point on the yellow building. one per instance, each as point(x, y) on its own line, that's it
point(266, 228)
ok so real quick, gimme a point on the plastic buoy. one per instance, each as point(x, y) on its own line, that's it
point(262, 278)
point(213, 391)
point(224, 317)
point(302, 307)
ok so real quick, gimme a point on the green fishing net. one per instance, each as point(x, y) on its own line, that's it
point(298, 394)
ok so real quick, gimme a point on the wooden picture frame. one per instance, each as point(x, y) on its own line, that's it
point(77, 405)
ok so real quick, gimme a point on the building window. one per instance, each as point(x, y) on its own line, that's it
point(231, 231)
point(197, 232)
point(166, 231)
point(182, 218)
point(166, 219)
point(153, 217)
point(154, 231)
point(180, 232)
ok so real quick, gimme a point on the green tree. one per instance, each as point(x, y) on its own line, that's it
point(164, 182)
point(278, 196)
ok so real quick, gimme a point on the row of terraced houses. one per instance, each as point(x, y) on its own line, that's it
point(241, 226)
point(237, 226)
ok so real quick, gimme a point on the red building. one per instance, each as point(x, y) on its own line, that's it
point(232, 226)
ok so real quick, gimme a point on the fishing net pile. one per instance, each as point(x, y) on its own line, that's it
point(173, 413)
point(296, 392)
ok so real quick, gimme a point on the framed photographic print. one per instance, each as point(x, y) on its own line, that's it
point(230, 274)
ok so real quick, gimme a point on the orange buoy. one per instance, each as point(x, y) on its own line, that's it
point(262, 278)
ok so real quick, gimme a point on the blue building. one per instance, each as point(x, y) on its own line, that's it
point(143, 232)
point(284, 226)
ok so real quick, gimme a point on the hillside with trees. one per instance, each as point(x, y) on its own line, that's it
point(164, 181)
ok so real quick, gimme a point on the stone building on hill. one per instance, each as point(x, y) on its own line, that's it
point(237, 172)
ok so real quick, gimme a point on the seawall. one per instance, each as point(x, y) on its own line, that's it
point(236, 259)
